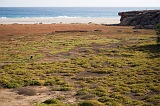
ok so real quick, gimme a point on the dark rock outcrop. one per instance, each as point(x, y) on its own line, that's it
point(141, 19)
point(66, 31)
point(71, 31)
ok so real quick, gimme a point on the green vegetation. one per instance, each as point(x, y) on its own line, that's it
point(90, 103)
point(158, 29)
point(158, 33)
point(102, 68)
point(51, 102)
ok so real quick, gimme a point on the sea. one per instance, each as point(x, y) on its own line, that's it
point(66, 12)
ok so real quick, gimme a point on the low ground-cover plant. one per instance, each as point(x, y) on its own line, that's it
point(112, 69)
point(158, 33)
point(62, 88)
point(90, 103)
point(52, 101)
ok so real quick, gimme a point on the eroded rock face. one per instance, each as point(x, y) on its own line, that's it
point(147, 18)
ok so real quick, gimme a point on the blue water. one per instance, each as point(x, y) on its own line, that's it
point(64, 12)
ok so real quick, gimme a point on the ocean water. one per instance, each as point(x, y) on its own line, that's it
point(65, 12)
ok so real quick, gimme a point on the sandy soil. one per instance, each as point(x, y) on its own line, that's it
point(10, 97)
point(39, 29)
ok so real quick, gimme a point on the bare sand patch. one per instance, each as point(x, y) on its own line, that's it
point(10, 97)
point(58, 20)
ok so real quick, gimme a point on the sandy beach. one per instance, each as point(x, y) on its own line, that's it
point(59, 20)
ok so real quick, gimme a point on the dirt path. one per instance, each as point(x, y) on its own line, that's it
point(10, 97)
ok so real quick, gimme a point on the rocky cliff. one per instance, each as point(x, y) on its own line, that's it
point(140, 18)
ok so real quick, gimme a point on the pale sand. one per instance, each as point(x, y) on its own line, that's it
point(59, 20)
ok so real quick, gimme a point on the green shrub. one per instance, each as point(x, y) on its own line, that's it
point(110, 101)
point(88, 96)
point(27, 82)
point(104, 99)
point(85, 94)
point(42, 104)
point(9, 84)
point(52, 101)
point(155, 99)
point(100, 91)
point(158, 33)
point(158, 39)
point(36, 83)
point(90, 103)
point(63, 88)
point(83, 91)
point(158, 28)
point(12, 85)
point(49, 83)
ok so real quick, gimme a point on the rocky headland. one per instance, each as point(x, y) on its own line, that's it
point(140, 19)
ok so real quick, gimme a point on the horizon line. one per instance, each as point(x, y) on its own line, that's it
point(80, 7)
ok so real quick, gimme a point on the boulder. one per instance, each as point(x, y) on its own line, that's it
point(147, 18)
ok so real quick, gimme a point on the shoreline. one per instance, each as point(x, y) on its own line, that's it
point(59, 20)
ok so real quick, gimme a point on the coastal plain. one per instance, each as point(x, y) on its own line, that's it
point(78, 64)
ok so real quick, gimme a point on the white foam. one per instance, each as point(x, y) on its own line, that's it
point(66, 17)
point(3, 17)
